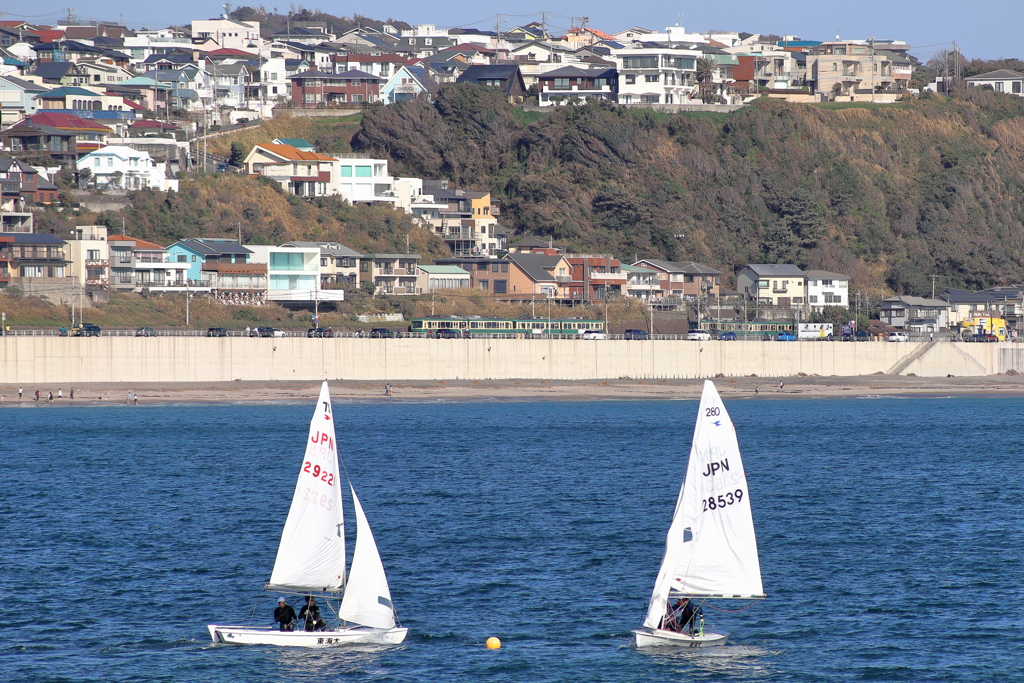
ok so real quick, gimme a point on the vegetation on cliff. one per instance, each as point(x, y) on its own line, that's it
point(890, 194)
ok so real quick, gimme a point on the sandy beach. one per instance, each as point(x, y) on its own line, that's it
point(760, 388)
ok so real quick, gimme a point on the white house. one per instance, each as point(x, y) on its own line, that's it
point(293, 274)
point(433, 278)
point(120, 167)
point(827, 289)
point(1000, 80)
point(227, 32)
point(362, 179)
point(656, 73)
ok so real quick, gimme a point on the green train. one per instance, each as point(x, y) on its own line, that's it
point(473, 325)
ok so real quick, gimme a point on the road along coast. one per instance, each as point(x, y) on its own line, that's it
point(67, 361)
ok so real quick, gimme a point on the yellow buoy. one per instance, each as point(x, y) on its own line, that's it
point(493, 643)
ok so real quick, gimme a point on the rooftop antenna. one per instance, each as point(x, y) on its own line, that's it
point(227, 9)
point(837, 35)
point(679, 18)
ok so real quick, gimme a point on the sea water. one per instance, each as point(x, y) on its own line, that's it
point(889, 534)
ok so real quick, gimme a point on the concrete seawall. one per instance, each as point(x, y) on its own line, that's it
point(61, 360)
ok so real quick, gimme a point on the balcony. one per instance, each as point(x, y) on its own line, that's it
point(563, 278)
point(152, 259)
point(779, 291)
point(96, 263)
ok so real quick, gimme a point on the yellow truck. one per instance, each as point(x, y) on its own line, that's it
point(984, 325)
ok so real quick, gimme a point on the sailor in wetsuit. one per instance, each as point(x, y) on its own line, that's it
point(681, 616)
point(311, 614)
point(285, 614)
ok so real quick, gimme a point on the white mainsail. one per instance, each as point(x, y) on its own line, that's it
point(711, 549)
point(311, 556)
point(367, 598)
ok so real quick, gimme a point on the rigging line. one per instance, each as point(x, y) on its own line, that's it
point(932, 45)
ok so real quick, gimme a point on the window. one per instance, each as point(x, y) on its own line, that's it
point(494, 267)
point(561, 82)
point(500, 286)
point(762, 284)
point(182, 258)
point(323, 261)
point(193, 258)
point(630, 80)
point(812, 299)
point(650, 99)
point(504, 267)
point(650, 62)
point(1016, 87)
point(92, 254)
point(652, 78)
point(346, 171)
point(484, 285)
point(364, 172)
point(826, 283)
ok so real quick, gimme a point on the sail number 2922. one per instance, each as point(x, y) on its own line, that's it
point(715, 502)
point(318, 473)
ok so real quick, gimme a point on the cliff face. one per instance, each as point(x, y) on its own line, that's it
point(888, 194)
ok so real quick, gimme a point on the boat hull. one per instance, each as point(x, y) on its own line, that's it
point(357, 635)
point(660, 638)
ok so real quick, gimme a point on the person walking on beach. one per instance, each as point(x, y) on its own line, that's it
point(72, 393)
point(20, 390)
point(757, 390)
point(37, 394)
point(49, 397)
point(129, 399)
point(136, 399)
point(246, 330)
point(781, 385)
point(60, 393)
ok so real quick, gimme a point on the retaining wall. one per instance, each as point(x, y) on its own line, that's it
point(63, 360)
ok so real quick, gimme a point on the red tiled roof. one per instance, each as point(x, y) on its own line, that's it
point(139, 244)
point(289, 152)
point(49, 35)
point(66, 121)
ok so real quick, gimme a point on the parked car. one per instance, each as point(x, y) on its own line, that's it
point(320, 332)
point(446, 333)
point(85, 330)
point(266, 332)
point(636, 334)
point(382, 333)
point(785, 336)
point(594, 334)
point(983, 338)
point(145, 332)
point(698, 335)
point(727, 336)
point(898, 337)
point(216, 332)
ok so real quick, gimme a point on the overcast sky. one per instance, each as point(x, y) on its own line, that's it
point(983, 28)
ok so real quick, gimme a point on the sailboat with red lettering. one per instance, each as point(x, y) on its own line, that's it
point(311, 561)
point(711, 550)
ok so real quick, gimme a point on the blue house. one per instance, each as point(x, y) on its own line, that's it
point(197, 251)
point(407, 83)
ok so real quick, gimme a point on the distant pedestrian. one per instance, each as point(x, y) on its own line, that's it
point(37, 394)
point(129, 399)
point(931, 336)
point(2, 397)
point(72, 393)
point(49, 397)
point(60, 393)
point(136, 399)
point(246, 330)
point(20, 390)
point(781, 385)
point(757, 390)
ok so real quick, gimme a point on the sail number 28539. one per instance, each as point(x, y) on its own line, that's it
point(715, 502)
point(318, 473)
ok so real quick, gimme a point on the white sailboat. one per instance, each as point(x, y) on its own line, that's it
point(711, 550)
point(311, 558)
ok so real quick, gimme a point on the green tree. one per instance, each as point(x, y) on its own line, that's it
point(705, 75)
point(237, 154)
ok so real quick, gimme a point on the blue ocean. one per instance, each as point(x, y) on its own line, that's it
point(889, 534)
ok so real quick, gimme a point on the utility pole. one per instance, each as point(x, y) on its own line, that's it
point(871, 41)
point(933, 284)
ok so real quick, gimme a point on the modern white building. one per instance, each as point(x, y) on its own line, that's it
point(293, 274)
point(362, 179)
point(125, 168)
point(827, 289)
point(229, 33)
point(656, 73)
point(433, 278)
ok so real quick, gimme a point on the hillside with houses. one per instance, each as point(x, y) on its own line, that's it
point(578, 167)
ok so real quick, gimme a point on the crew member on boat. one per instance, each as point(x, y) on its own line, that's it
point(681, 616)
point(310, 612)
point(285, 614)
